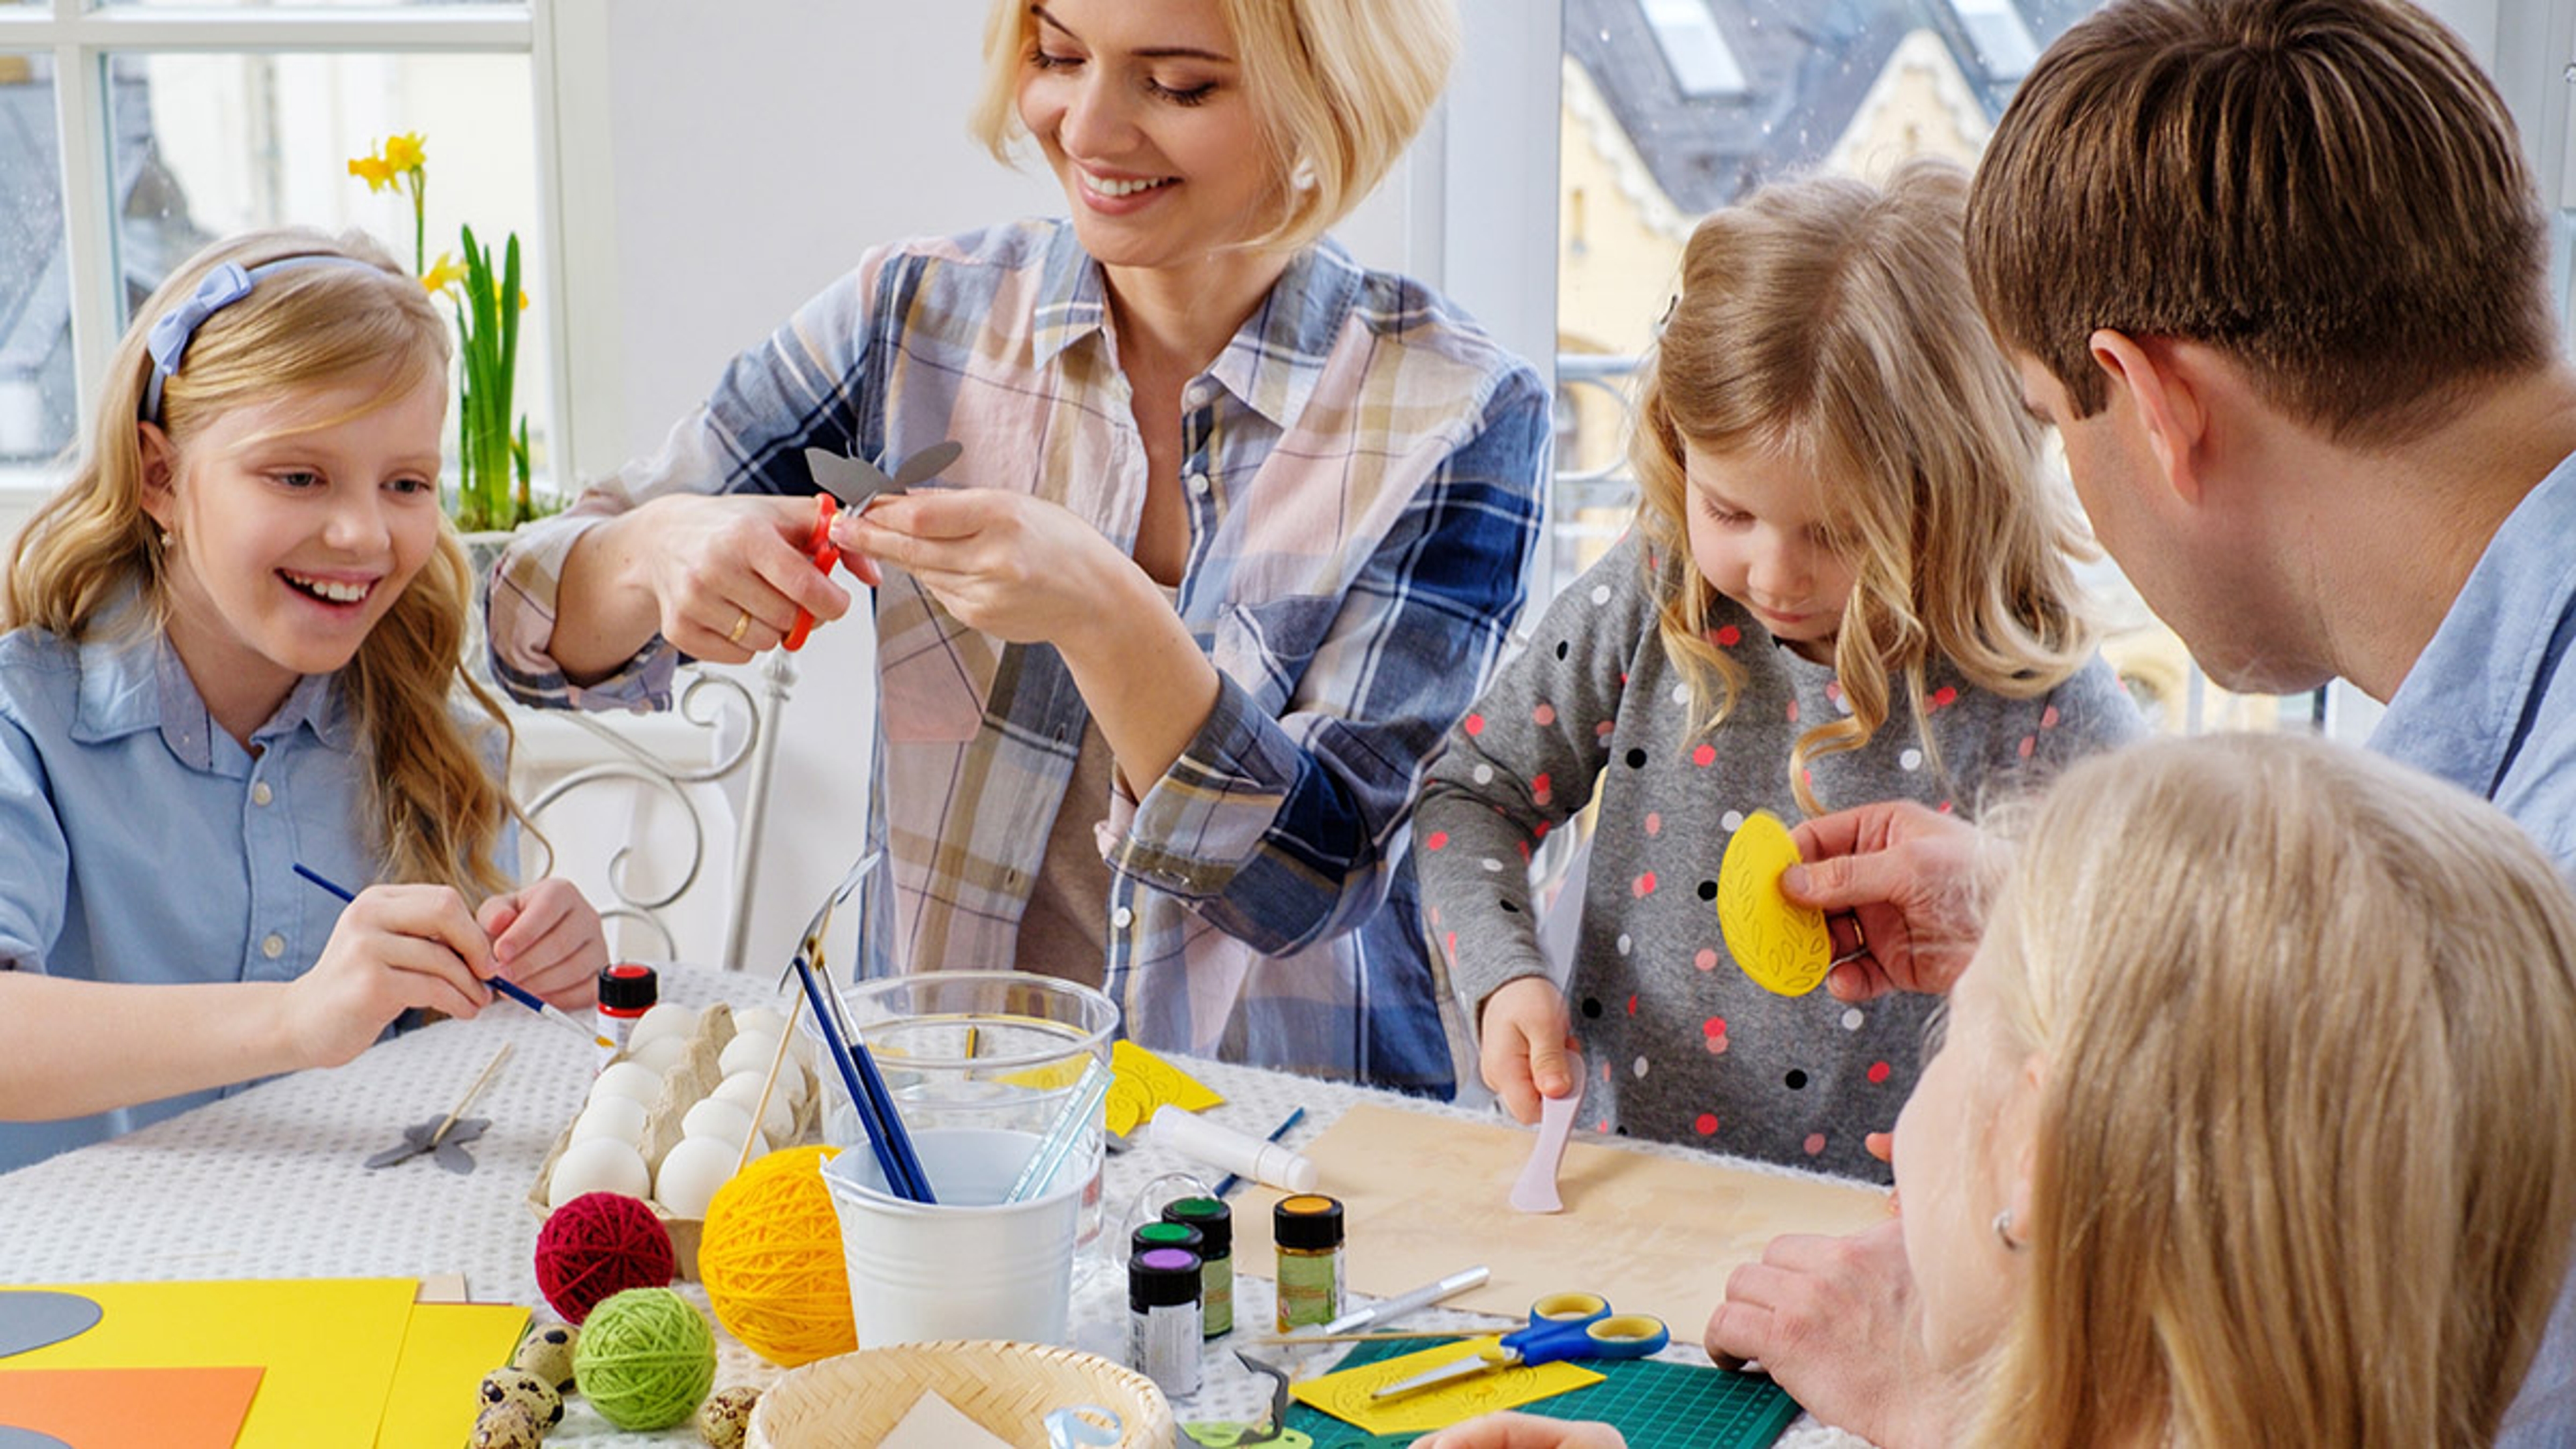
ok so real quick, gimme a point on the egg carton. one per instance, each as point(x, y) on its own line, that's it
point(684, 1085)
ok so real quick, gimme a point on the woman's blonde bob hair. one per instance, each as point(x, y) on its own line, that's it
point(436, 810)
point(1829, 322)
point(2303, 1167)
point(1340, 87)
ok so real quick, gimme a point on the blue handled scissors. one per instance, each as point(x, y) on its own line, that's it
point(1561, 1326)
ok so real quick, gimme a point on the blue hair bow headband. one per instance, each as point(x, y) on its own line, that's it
point(228, 283)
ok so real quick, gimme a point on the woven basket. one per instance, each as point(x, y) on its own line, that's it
point(853, 1400)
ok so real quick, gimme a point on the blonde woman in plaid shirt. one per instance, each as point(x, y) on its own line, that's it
point(1239, 530)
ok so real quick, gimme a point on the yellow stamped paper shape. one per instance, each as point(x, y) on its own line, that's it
point(1782, 946)
point(1345, 1394)
point(1141, 1082)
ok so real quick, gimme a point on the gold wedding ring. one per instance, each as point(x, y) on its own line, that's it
point(740, 625)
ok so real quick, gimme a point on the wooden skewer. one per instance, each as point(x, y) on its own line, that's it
point(768, 1084)
point(467, 1100)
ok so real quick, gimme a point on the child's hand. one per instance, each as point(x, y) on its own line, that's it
point(396, 947)
point(547, 938)
point(1525, 1051)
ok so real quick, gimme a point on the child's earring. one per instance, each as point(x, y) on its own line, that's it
point(1302, 176)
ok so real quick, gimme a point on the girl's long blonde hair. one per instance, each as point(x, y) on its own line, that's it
point(1830, 322)
point(2303, 1166)
point(436, 810)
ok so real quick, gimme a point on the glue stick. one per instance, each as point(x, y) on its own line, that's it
point(1194, 1136)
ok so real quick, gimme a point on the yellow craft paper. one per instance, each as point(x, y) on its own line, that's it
point(1782, 946)
point(448, 1348)
point(1345, 1395)
point(1141, 1082)
point(328, 1345)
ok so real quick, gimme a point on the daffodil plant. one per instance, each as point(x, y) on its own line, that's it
point(492, 459)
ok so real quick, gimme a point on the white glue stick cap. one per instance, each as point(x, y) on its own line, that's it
point(1194, 1136)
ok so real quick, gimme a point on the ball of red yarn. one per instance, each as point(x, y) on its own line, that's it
point(598, 1245)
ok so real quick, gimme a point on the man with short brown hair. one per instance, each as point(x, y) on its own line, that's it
point(2277, 272)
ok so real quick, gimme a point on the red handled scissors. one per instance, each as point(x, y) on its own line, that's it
point(1561, 1326)
point(853, 484)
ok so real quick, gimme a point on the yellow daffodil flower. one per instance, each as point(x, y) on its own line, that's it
point(404, 153)
point(373, 171)
point(446, 274)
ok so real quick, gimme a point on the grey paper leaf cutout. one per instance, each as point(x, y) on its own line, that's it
point(31, 1318)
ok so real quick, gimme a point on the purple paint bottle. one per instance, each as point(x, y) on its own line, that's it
point(1163, 1318)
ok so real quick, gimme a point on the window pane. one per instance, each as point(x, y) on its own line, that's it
point(1676, 108)
point(289, 4)
point(207, 145)
point(38, 388)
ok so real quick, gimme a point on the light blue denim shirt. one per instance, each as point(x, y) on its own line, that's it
point(141, 843)
point(2491, 707)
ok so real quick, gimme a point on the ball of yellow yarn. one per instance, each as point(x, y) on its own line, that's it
point(771, 1260)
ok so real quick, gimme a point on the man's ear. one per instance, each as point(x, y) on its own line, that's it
point(2167, 399)
point(160, 467)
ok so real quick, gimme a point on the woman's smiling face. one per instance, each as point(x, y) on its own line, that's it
point(1141, 108)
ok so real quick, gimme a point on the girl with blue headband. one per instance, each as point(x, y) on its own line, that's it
point(233, 645)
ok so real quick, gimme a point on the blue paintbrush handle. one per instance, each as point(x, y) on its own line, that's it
point(886, 1137)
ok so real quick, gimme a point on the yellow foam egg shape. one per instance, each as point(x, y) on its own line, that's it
point(1782, 946)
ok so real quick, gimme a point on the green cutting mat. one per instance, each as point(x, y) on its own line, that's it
point(1657, 1405)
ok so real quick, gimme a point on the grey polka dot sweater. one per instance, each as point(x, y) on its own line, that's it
point(1679, 1045)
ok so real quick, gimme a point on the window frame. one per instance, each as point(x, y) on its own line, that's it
point(80, 36)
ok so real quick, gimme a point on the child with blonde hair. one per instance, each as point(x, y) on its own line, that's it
point(1848, 582)
point(2232, 1139)
point(233, 647)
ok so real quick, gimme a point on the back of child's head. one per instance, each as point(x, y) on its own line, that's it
point(2303, 1166)
point(2328, 190)
point(1830, 322)
point(307, 314)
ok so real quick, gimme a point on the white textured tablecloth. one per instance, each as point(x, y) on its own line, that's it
point(271, 1184)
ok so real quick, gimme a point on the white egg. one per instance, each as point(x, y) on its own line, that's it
point(669, 1018)
point(597, 1164)
point(610, 1116)
point(760, 1019)
point(661, 1053)
point(716, 1117)
point(632, 1080)
point(748, 1051)
point(743, 1089)
point(692, 1173)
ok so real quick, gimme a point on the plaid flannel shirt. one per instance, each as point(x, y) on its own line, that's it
point(1363, 471)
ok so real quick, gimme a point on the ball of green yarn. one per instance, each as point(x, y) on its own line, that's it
point(645, 1358)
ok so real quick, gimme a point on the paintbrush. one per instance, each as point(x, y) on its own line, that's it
point(508, 988)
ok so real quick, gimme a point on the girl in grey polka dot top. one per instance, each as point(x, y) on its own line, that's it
point(1849, 581)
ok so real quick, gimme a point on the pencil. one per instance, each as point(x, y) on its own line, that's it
point(508, 988)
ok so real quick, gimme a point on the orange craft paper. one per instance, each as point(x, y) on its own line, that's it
point(130, 1408)
point(1423, 1196)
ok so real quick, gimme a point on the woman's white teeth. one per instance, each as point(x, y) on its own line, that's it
point(1107, 187)
point(338, 593)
